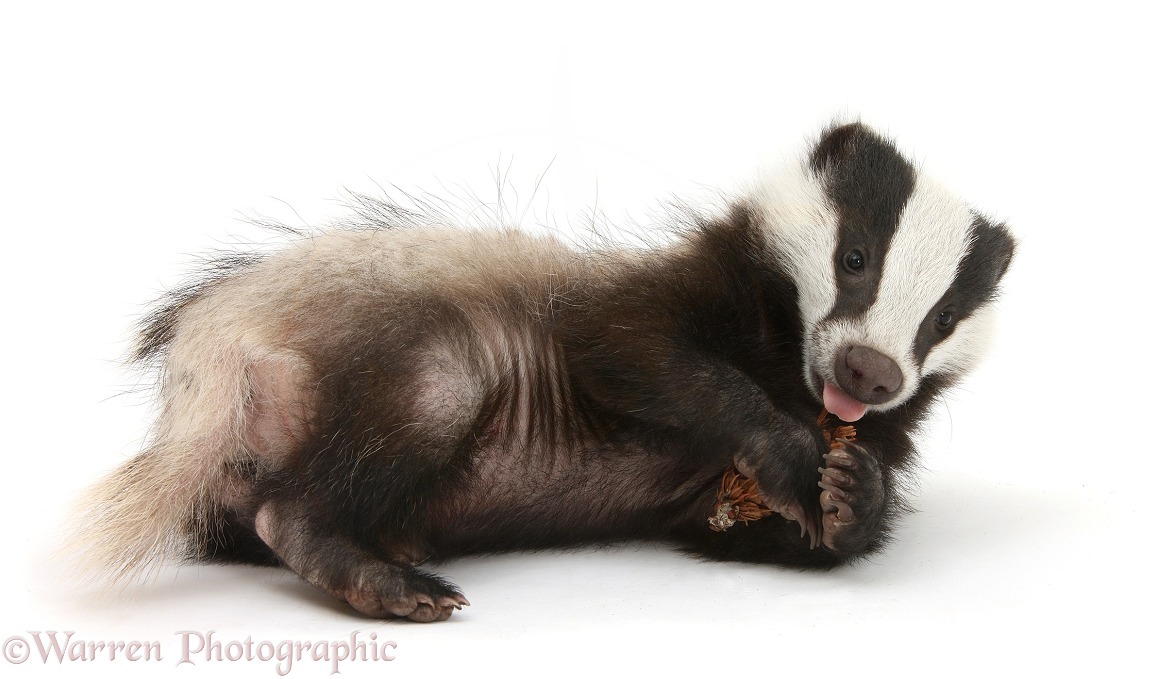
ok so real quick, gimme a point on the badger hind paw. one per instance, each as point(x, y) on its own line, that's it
point(385, 590)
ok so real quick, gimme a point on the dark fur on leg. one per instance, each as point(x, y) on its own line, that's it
point(374, 586)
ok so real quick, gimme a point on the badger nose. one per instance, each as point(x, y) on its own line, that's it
point(868, 376)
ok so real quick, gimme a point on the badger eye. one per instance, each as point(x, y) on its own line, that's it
point(854, 261)
point(945, 319)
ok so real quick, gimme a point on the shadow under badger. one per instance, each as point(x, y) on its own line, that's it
point(373, 397)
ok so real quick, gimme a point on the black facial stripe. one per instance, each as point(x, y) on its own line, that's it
point(977, 279)
point(867, 182)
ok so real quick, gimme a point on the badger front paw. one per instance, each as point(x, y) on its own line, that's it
point(791, 504)
point(852, 499)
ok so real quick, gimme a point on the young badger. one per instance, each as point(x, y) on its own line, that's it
point(374, 397)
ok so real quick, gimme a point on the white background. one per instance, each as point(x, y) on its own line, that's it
point(134, 136)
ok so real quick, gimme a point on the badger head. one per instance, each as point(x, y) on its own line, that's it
point(895, 276)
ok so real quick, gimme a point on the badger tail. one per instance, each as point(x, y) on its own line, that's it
point(164, 503)
point(150, 510)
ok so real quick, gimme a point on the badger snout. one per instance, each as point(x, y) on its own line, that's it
point(868, 375)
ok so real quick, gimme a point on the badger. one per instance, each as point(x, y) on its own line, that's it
point(401, 390)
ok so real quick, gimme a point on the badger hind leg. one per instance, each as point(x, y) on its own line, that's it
point(276, 419)
point(334, 564)
point(378, 453)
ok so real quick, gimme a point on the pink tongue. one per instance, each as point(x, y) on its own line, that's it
point(841, 405)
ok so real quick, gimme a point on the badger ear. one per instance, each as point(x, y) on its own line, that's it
point(991, 252)
point(836, 144)
point(1006, 249)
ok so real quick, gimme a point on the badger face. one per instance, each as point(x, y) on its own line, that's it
point(895, 276)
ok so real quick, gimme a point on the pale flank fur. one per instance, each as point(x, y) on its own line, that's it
point(141, 514)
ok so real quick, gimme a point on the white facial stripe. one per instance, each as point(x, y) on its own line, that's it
point(930, 241)
point(804, 230)
point(966, 345)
